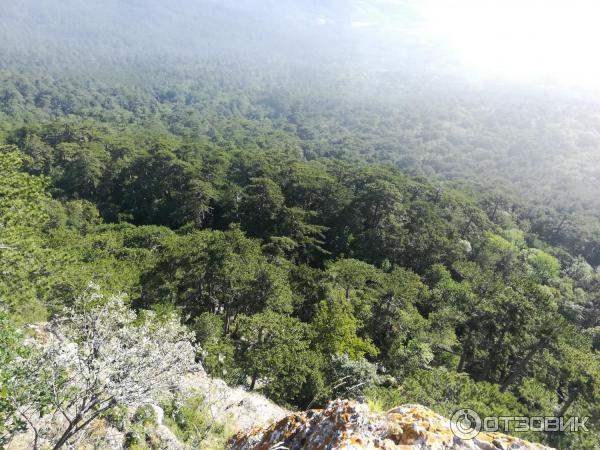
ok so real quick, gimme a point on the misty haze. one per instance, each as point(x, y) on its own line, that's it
point(217, 213)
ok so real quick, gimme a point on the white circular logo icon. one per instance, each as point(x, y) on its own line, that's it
point(465, 424)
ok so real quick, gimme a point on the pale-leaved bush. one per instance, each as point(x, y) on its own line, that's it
point(100, 355)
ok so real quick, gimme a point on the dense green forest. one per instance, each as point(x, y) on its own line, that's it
point(431, 245)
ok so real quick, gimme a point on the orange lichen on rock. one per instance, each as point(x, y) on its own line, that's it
point(351, 426)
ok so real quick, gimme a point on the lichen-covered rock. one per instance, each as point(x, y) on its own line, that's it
point(349, 425)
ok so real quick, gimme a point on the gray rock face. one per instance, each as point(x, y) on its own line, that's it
point(239, 408)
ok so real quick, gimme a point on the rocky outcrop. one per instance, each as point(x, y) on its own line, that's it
point(232, 407)
point(349, 425)
point(235, 406)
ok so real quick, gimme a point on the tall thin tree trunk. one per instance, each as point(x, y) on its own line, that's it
point(487, 367)
point(566, 405)
point(255, 373)
point(463, 359)
point(522, 366)
point(489, 363)
point(466, 228)
point(493, 216)
point(227, 322)
point(254, 378)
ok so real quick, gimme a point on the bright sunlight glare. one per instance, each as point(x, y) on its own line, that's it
point(550, 40)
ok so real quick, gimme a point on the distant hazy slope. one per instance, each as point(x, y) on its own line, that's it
point(301, 66)
point(177, 27)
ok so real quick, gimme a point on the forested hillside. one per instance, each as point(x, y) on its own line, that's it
point(430, 242)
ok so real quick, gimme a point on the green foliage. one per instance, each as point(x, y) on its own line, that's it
point(243, 199)
point(11, 348)
point(399, 330)
point(24, 260)
point(276, 354)
point(214, 271)
point(351, 275)
point(446, 392)
point(337, 329)
point(217, 348)
point(260, 206)
point(544, 266)
point(191, 421)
